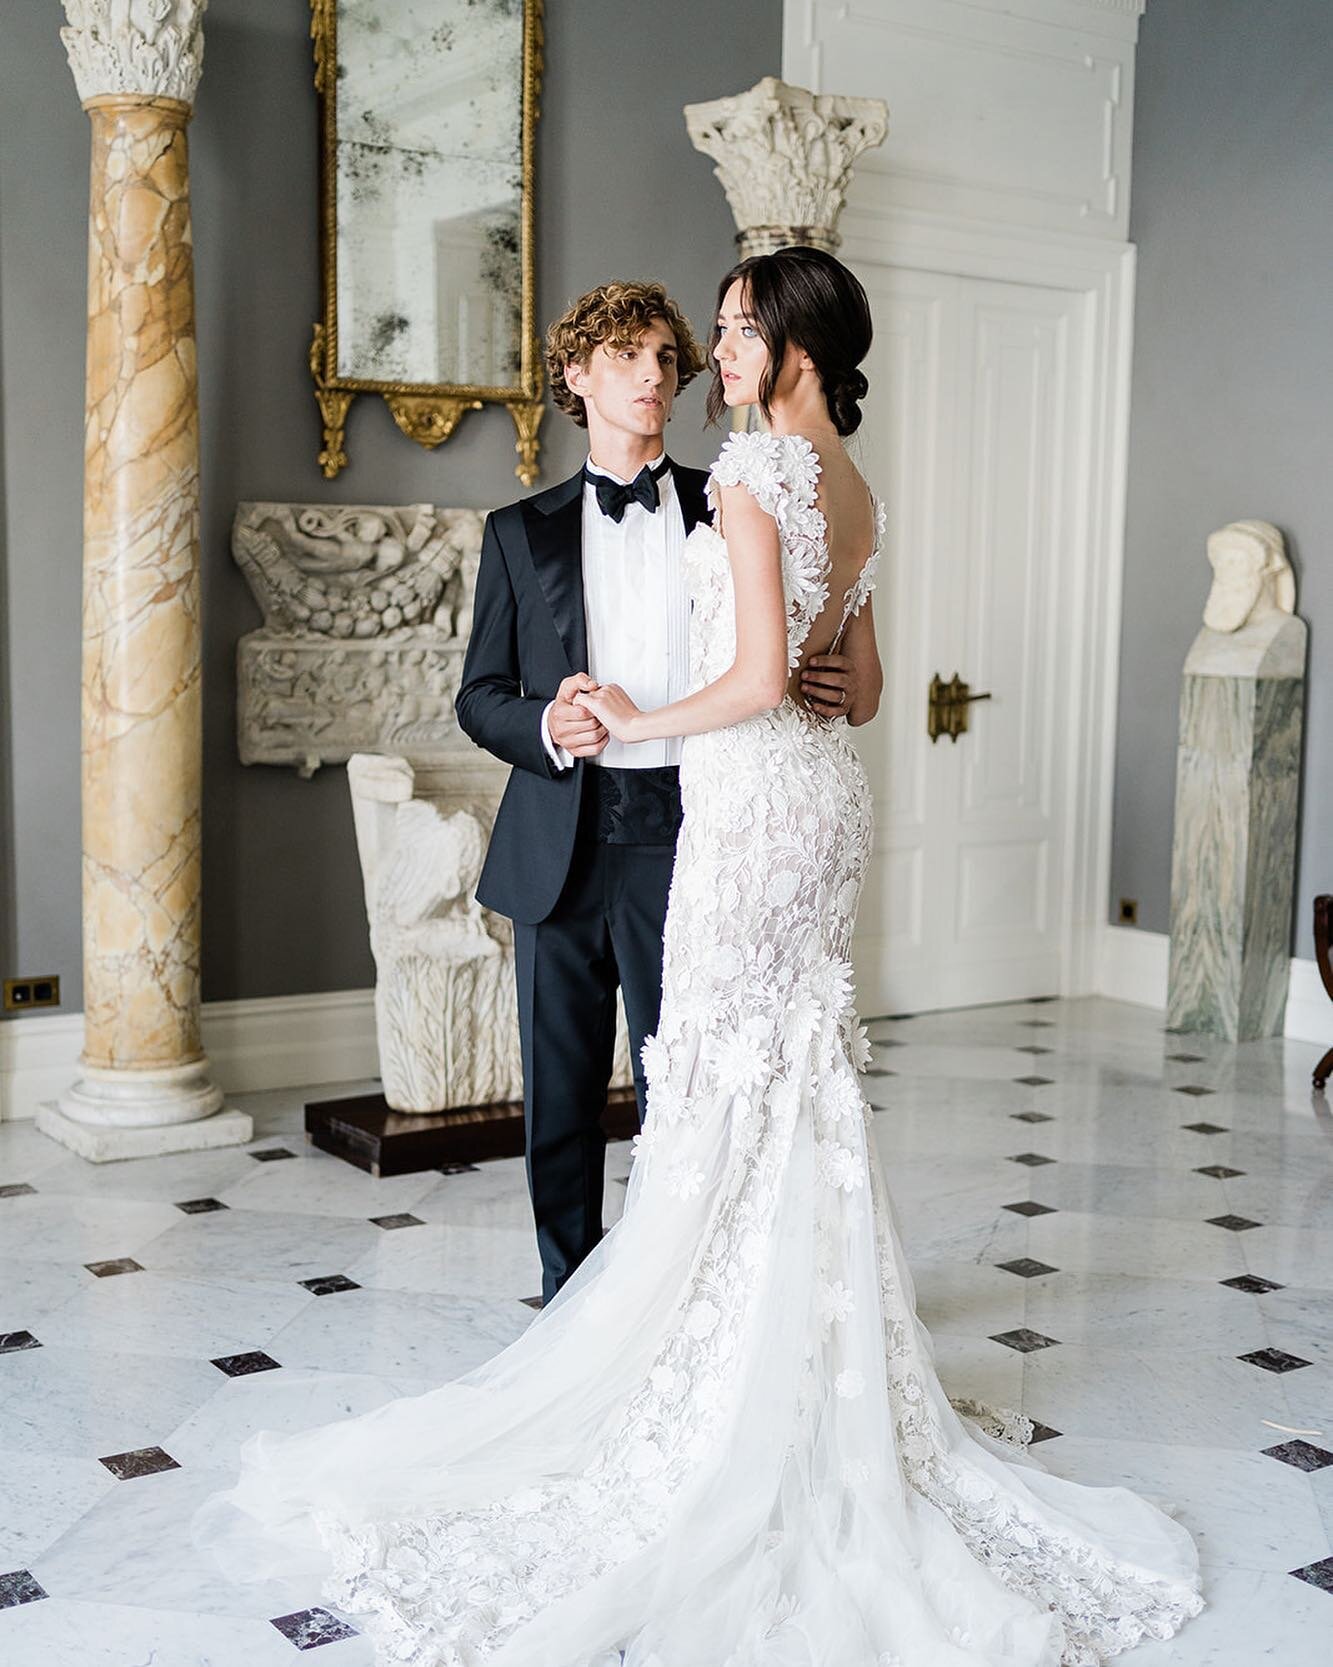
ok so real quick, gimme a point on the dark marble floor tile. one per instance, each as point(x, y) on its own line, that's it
point(1027, 1267)
point(458, 1169)
point(1301, 1455)
point(17, 1189)
point(271, 1154)
point(1038, 1024)
point(1042, 1432)
point(1031, 1117)
point(1205, 1128)
point(1035, 1082)
point(328, 1283)
point(309, 1628)
point(1185, 1058)
point(18, 1587)
point(1251, 1282)
point(241, 1365)
point(1194, 1090)
point(1317, 1574)
point(144, 1461)
point(889, 1042)
point(1219, 1171)
point(401, 1220)
point(1233, 1224)
point(1031, 1159)
point(1024, 1340)
point(878, 1071)
point(1025, 1207)
point(122, 1264)
point(202, 1206)
point(1032, 1048)
point(1274, 1360)
point(11, 1342)
point(622, 1180)
point(531, 1302)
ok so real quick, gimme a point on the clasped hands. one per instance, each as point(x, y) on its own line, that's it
point(586, 714)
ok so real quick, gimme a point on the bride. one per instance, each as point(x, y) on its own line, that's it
point(724, 1444)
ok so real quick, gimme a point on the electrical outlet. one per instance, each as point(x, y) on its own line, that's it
point(1129, 911)
point(24, 993)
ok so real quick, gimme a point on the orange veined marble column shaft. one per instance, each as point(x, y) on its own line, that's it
point(142, 742)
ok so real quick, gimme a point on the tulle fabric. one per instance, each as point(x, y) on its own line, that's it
point(724, 1443)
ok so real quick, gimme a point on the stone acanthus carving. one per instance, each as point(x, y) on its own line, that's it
point(784, 158)
point(367, 611)
point(445, 1014)
point(152, 48)
point(1249, 624)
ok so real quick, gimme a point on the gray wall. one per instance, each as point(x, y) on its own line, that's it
point(1233, 383)
point(621, 192)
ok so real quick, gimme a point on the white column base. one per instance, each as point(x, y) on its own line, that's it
point(108, 1143)
point(134, 1099)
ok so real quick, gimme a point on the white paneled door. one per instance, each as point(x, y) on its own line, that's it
point(976, 434)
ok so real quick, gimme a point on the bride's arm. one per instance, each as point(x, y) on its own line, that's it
point(756, 680)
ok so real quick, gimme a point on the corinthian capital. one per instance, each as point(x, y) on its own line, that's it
point(784, 157)
point(151, 47)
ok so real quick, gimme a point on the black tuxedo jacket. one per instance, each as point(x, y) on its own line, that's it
point(529, 632)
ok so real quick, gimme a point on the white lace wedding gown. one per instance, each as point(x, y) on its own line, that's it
point(724, 1443)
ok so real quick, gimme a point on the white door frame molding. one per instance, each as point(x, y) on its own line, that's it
point(1102, 272)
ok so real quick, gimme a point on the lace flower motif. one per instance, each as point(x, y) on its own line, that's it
point(684, 1179)
point(838, 1166)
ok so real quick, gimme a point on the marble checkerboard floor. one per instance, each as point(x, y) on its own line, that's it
point(1129, 1234)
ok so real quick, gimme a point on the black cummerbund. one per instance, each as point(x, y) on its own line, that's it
point(630, 807)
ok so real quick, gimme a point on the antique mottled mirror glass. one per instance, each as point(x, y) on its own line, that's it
point(427, 113)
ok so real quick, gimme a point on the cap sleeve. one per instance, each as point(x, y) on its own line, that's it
point(778, 470)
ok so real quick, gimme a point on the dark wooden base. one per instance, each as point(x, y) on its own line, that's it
point(366, 1131)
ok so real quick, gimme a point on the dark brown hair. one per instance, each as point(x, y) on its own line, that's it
point(805, 296)
point(614, 315)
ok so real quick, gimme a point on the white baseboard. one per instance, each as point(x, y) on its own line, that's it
point(1132, 966)
point(271, 1042)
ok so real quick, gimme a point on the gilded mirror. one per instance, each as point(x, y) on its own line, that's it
point(427, 112)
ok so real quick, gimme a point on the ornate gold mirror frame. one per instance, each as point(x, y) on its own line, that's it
point(426, 412)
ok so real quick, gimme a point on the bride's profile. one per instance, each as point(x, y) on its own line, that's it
point(724, 1443)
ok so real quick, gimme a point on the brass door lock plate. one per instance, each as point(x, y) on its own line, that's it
point(946, 713)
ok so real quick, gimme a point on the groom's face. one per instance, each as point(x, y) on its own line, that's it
point(630, 387)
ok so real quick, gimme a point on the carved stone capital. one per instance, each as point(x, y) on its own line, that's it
point(784, 158)
point(151, 48)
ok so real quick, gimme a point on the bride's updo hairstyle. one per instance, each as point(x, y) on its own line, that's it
point(803, 295)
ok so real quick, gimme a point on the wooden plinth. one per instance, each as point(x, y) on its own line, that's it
point(364, 1130)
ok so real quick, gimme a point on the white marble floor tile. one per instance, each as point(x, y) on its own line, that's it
point(1251, 1620)
point(75, 1402)
point(1112, 1309)
point(30, 1291)
point(492, 1195)
point(1142, 1246)
point(390, 1333)
point(976, 1369)
point(260, 1244)
point(1290, 1255)
point(41, 1496)
point(63, 1632)
point(968, 1299)
point(486, 1262)
point(152, 1313)
point(313, 1183)
point(1120, 1189)
point(166, 1180)
point(1130, 1394)
point(62, 1228)
point(1300, 1197)
point(1213, 1491)
point(1300, 1320)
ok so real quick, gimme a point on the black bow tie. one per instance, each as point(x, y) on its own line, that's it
point(613, 497)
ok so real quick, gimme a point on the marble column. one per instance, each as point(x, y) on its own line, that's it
point(1233, 863)
point(144, 1086)
point(784, 158)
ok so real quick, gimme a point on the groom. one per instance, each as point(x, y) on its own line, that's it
point(581, 585)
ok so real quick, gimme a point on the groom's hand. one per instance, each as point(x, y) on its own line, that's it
point(828, 684)
point(572, 727)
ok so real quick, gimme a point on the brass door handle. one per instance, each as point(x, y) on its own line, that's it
point(946, 713)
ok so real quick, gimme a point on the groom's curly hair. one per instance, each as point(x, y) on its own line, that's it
point(614, 315)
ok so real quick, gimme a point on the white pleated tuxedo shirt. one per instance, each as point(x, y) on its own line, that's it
point(637, 610)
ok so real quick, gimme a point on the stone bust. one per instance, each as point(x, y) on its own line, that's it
point(1249, 623)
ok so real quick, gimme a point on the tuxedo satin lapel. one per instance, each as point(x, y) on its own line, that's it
point(554, 522)
point(690, 492)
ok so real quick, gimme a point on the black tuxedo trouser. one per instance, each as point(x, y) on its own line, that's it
point(604, 932)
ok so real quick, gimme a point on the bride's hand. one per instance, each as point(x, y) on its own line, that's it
point(614, 710)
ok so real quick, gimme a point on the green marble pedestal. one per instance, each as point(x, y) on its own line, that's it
point(1234, 854)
